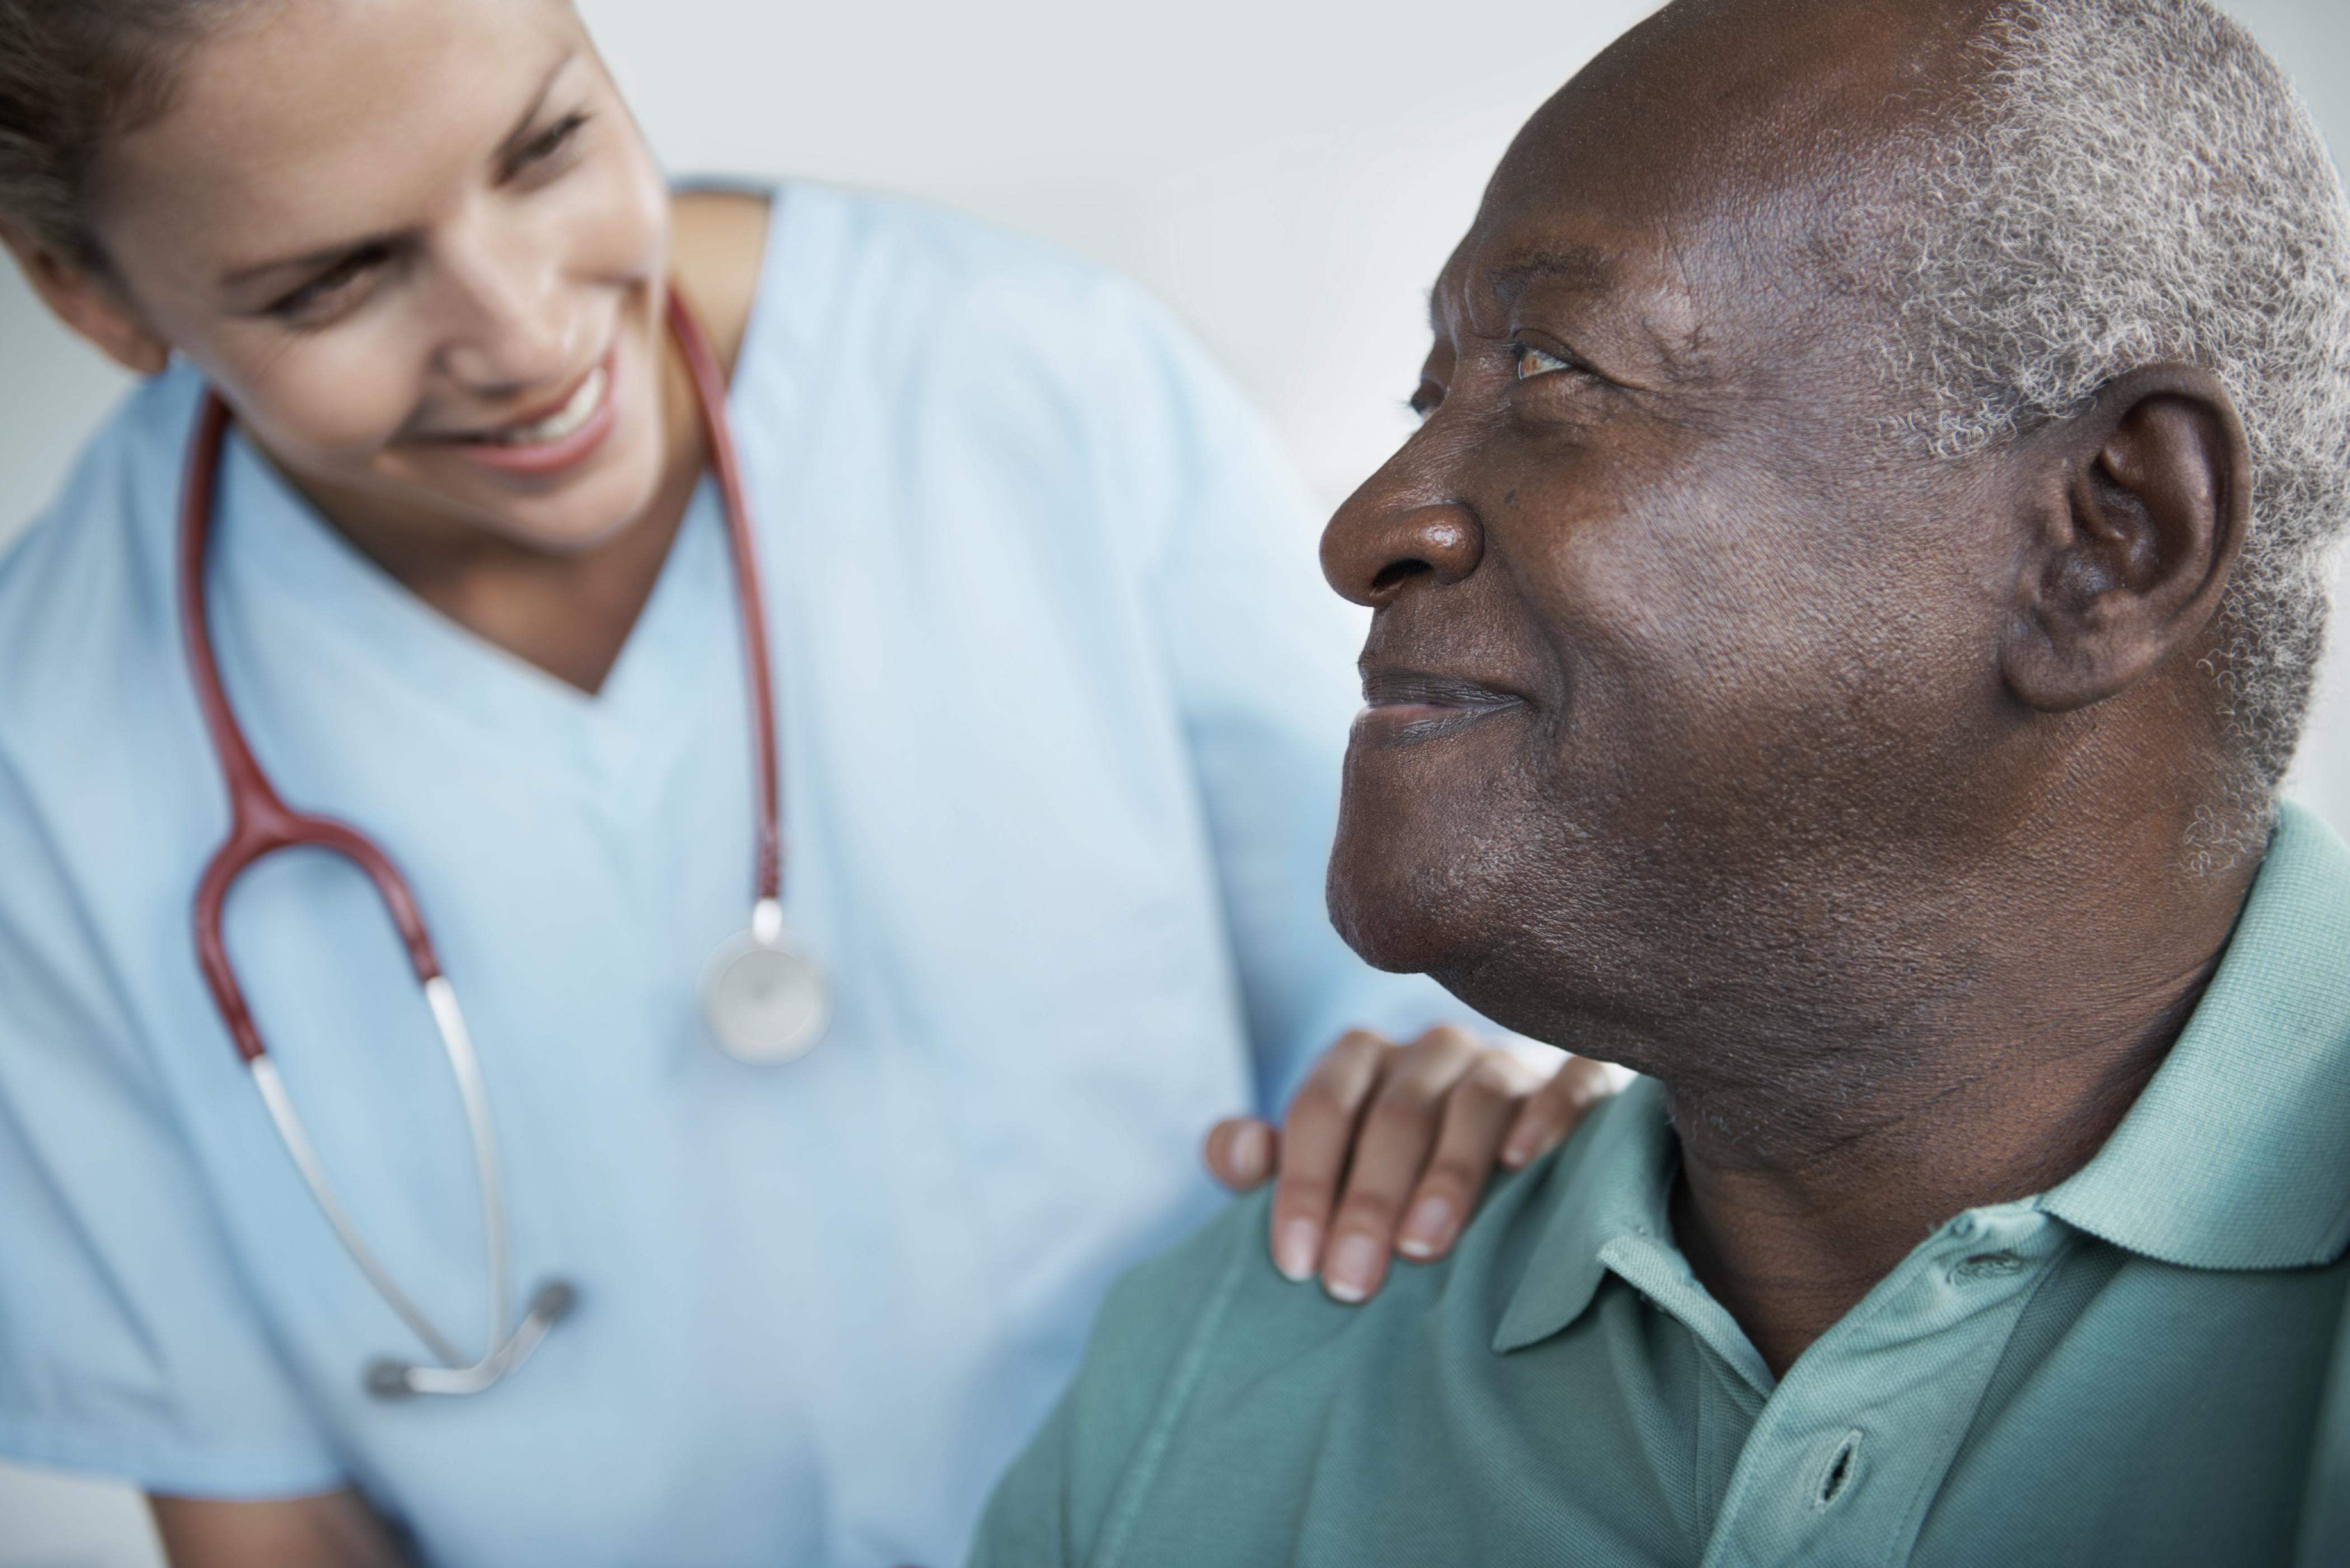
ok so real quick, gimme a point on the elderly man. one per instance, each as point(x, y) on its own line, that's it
point(1838, 632)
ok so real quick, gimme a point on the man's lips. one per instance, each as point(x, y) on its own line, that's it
point(1407, 705)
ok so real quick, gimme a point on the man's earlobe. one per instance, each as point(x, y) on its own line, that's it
point(2134, 535)
point(88, 305)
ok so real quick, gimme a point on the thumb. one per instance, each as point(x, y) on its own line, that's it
point(1239, 1152)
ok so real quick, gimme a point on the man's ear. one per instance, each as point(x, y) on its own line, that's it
point(2133, 527)
point(87, 303)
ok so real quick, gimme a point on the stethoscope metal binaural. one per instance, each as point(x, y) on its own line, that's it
point(765, 999)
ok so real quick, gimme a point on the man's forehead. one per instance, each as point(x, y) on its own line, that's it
point(1710, 146)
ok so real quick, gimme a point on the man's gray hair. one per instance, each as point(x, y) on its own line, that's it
point(2135, 182)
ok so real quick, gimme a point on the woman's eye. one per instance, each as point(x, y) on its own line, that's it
point(323, 295)
point(1534, 361)
point(548, 142)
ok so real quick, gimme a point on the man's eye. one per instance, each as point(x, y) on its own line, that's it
point(1534, 361)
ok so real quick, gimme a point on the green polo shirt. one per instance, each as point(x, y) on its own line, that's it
point(2128, 1369)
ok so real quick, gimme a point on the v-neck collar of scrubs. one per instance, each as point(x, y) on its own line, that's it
point(453, 675)
point(2228, 1160)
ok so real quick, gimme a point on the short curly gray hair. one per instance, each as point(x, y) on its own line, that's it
point(2134, 181)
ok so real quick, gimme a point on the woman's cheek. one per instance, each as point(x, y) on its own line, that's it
point(333, 400)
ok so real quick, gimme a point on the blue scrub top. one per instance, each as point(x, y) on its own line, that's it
point(1062, 699)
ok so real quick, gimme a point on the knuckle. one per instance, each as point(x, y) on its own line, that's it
point(1575, 1090)
point(1375, 1211)
point(1303, 1194)
point(1494, 1076)
point(1404, 1113)
point(1449, 1039)
point(1453, 1177)
point(1320, 1100)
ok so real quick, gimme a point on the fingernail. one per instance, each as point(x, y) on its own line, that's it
point(1424, 1232)
point(1253, 1151)
point(1353, 1261)
point(1515, 1155)
point(1295, 1248)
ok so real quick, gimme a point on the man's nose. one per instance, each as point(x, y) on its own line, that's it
point(1391, 534)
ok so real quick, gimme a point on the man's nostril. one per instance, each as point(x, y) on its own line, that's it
point(1395, 574)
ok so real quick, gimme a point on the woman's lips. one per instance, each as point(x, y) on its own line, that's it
point(556, 442)
point(1402, 707)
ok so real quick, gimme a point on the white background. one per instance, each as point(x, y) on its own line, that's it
point(1287, 174)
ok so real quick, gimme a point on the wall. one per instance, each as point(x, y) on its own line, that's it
point(1287, 174)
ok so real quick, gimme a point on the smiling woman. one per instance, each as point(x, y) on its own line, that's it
point(469, 462)
point(461, 365)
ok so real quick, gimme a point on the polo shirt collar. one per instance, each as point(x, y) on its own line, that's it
point(2237, 1156)
point(1609, 1188)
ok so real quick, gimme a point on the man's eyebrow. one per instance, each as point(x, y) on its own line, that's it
point(1581, 267)
point(1577, 267)
point(324, 255)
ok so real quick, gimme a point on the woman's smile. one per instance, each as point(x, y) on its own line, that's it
point(550, 440)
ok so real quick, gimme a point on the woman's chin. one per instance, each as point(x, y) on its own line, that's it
point(577, 513)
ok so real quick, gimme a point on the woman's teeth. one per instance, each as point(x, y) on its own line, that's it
point(563, 420)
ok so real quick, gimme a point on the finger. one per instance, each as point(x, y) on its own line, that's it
point(1398, 1131)
point(1239, 1152)
point(1556, 1109)
point(1478, 1114)
point(1314, 1143)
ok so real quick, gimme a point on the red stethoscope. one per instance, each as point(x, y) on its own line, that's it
point(765, 999)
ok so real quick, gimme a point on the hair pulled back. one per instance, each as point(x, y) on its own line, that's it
point(73, 75)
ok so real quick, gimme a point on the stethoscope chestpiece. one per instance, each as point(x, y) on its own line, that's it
point(765, 998)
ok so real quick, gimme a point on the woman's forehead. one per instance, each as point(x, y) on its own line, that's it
point(301, 124)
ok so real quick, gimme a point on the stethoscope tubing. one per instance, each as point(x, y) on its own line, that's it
point(261, 824)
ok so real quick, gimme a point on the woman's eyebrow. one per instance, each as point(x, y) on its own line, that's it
point(246, 275)
point(309, 261)
point(515, 138)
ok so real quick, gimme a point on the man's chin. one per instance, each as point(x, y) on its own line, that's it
point(1391, 917)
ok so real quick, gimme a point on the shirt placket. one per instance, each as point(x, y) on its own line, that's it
point(1851, 1447)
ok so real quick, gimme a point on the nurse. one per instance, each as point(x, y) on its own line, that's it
point(1058, 700)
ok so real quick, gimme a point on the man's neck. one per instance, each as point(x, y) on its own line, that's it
point(2007, 1101)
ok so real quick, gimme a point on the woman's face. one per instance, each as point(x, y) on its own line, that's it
point(421, 246)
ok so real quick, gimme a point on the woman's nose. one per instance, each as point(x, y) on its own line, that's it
point(1382, 540)
point(513, 330)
